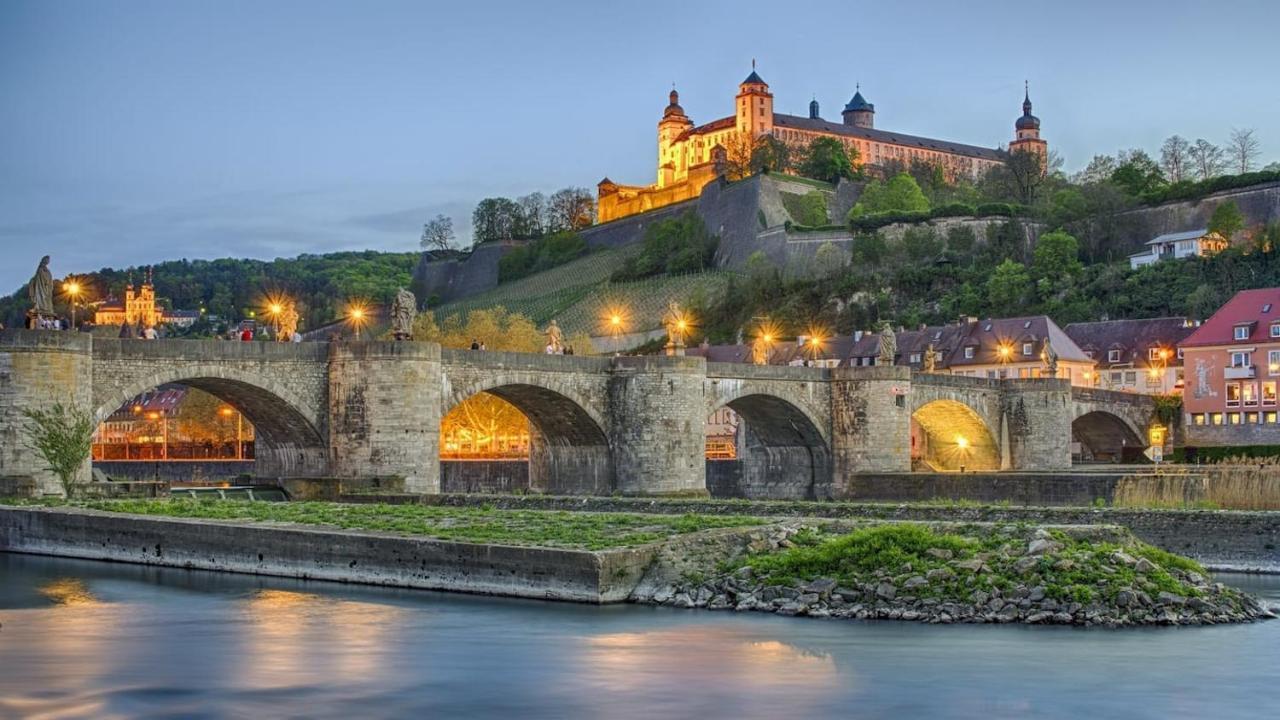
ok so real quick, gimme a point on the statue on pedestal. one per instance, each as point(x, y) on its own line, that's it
point(888, 345)
point(555, 340)
point(404, 310)
point(288, 323)
point(675, 323)
point(40, 292)
point(930, 359)
point(1050, 358)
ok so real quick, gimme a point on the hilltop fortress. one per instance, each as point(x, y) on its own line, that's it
point(689, 156)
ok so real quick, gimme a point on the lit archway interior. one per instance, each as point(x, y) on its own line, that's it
point(1103, 437)
point(204, 419)
point(766, 448)
point(523, 437)
point(948, 436)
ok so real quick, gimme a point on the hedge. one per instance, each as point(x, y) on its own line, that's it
point(1188, 190)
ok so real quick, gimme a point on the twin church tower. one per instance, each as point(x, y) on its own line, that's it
point(687, 153)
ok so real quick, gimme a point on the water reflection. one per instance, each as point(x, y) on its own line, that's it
point(68, 591)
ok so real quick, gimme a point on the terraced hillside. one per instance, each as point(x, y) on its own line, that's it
point(578, 294)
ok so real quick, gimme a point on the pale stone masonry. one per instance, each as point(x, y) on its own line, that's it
point(632, 425)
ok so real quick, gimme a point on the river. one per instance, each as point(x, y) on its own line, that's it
point(101, 640)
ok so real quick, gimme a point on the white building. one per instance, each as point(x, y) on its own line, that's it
point(1176, 246)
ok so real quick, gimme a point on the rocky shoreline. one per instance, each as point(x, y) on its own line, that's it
point(1020, 581)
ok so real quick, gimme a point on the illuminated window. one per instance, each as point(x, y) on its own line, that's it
point(1275, 330)
point(1197, 418)
point(1249, 393)
point(1233, 394)
point(1269, 392)
point(1233, 418)
point(1273, 362)
point(1269, 417)
point(1251, 418)
point(1217, 418)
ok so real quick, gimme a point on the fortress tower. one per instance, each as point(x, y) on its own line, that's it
point(1027, 130)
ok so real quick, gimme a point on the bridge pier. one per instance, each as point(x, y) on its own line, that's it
point(658, 418)
point(39, 369)
point(1035, 420)
point(870, 422)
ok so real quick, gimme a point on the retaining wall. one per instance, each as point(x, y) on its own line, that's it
point(326, 554)
point(175, 471)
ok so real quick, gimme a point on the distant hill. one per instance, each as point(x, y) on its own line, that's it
point(233, 288)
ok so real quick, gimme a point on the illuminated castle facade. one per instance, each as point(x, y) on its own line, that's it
point(689, 155)
point(139, 308)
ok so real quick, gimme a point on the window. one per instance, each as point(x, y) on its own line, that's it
point(968, 353)
point(1217, 418)
point(1153, 353)
point(1249, 393)
point(1117, 378)
point(1131, 377)
point(937, 356)
point(1113, 356)
point(1251, 418)
point(1269, 392)
point(1269, 417)
point(1242, 332)
point(1275, 330)
point(1233, 394)
point(1197, 418)
point(1233, 418)
point(1179, 353)
point(914, 357)
point(1240, 358)
point(991, 374)
point(1273, 362)
point(1004, 374)
point(1026, 348)
point(1088, 354)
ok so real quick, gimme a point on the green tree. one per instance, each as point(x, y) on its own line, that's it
point(827, 159)
point(901, 194)
point(495, 218)
point(1137, 174)
point(672, 245)
point(63, 437)
point(1007, 287)
point(1227, 220)
point(1056, 257)
point(770, 155)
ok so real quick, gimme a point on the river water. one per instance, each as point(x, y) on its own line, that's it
point(101, 640)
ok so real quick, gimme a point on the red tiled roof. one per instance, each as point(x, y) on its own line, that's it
point(1132, 338)
point(1260, 307)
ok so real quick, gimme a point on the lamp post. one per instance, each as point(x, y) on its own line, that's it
point(164, 433)
point(226, 412)
point(357, 315)
point(72, 289)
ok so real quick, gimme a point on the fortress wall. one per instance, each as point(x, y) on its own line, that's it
point(1260, 205)
point(471, 274)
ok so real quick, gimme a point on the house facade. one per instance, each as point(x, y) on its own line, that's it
point(1232, 371)
point(1177, 246)
point(1140, 356)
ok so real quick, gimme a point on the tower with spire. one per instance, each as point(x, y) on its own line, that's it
point(1026, 130)
point(674, 123)
point(858, 112)
point(754, 105)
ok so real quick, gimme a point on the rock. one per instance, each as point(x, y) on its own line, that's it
point(1042, 546)
point(886, 591)
point(821, 586)
point(819, 613)
point(1062, 618)
point(770, 593)
point(1036, 594)
point(1041, 534)
point(1008, 613)
point(910, 615)
point(807, 599)
point(849, 594)
point(914, 582)
point(791, 608)
point(1168, 598)
point(940, 553)
point(1024, 565)
point(1125, 598)
point(1195, 578)
point(941, 573)
point(1064, 564)
point(1038, 617)
point(979, 597)
point(906, 568)
point(1144, 566)
point(975, 565)
point(1124, 558)
point(682, 600)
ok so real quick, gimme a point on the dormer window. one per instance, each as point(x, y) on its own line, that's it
point(1026, 325)
point(1026, 348)
point(1275, 330)
point(1241, 332)
point(968, 352)
point(1113, 356)
point(986, 328)
point(1266, 308)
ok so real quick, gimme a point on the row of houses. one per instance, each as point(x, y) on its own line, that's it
point(1227, 369)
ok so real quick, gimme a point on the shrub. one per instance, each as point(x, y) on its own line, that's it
point(955, 209)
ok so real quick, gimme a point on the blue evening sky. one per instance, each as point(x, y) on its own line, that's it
point(134, 132)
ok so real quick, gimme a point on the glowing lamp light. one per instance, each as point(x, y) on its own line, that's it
point(153, 416)
point(226, 411)
point(137, 409)
point(615, 320)
point(1164, 354)
point(768, 338)
point(72, 288)
point(962, 442)
point(1004, 351)
point(276, 308)
point(1154, 373)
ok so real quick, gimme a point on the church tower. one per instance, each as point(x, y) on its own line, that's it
point(1027, 130)
point(754, 105)
point(670, 156)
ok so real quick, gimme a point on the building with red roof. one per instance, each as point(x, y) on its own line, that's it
point(1231, 368)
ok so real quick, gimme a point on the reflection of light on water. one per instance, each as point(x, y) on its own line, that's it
point(643, 661)
point(294, 637)
point(68, 591)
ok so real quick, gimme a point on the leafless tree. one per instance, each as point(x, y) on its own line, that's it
point(437, 233)
point(571, 209)
point(1175, 158)
point(533, 214)
point(1207, 159)
point(1243, 149)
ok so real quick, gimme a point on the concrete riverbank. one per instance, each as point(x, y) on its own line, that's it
point(1246, 541)
point(291, 550)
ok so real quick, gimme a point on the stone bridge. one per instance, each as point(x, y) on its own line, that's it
point(629, 425)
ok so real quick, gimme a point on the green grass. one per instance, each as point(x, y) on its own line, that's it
point(578, 530)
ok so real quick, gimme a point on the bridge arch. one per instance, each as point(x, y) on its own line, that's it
point(569, 452)
point(291, 434)
point(783, 451)
point(949, 435)
point(1104, 436)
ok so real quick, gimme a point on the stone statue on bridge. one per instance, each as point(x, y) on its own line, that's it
point(888, 344)
point(1050, 358)
point(555, 339)
point(40, 292)
point(288, 323)
point(676, 324)
point(404, 310)
point(930, 363)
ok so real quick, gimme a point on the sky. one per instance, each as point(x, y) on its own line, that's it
point(137, 132)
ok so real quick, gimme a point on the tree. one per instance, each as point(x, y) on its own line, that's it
point(1020, 176)
point(1007, 286)
point(827, 159)
point(1099, 169)
point(1137, 173)
point(437, 233)
point(1227, 220)
point(63, 437)
point(495, 327)
point(738, 150)
point(830, 260)
point(1243, 149)
point(533, 215)
point(495, 219)
point(1175, 158)
point(901, 194)
point(1056, 257)
point(770, 155)
point(1207, 159)
point(572, 208)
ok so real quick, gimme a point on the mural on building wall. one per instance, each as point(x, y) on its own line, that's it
point(1203, 387)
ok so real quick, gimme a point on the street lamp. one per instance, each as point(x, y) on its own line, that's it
point(73, 289)
point(226, 412)
point(164, 433)
point(616, 321)
point(357, 315)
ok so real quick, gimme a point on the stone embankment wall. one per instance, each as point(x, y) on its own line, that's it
point(326, 554)
point(184, 471)
point(1221, 539)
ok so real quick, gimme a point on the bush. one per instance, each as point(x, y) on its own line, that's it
point(809, 209)
point(541, 254)
point(675, 245)
point(996, 208)
point(955, 209)
point(878, 220)
point(1187, 190)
